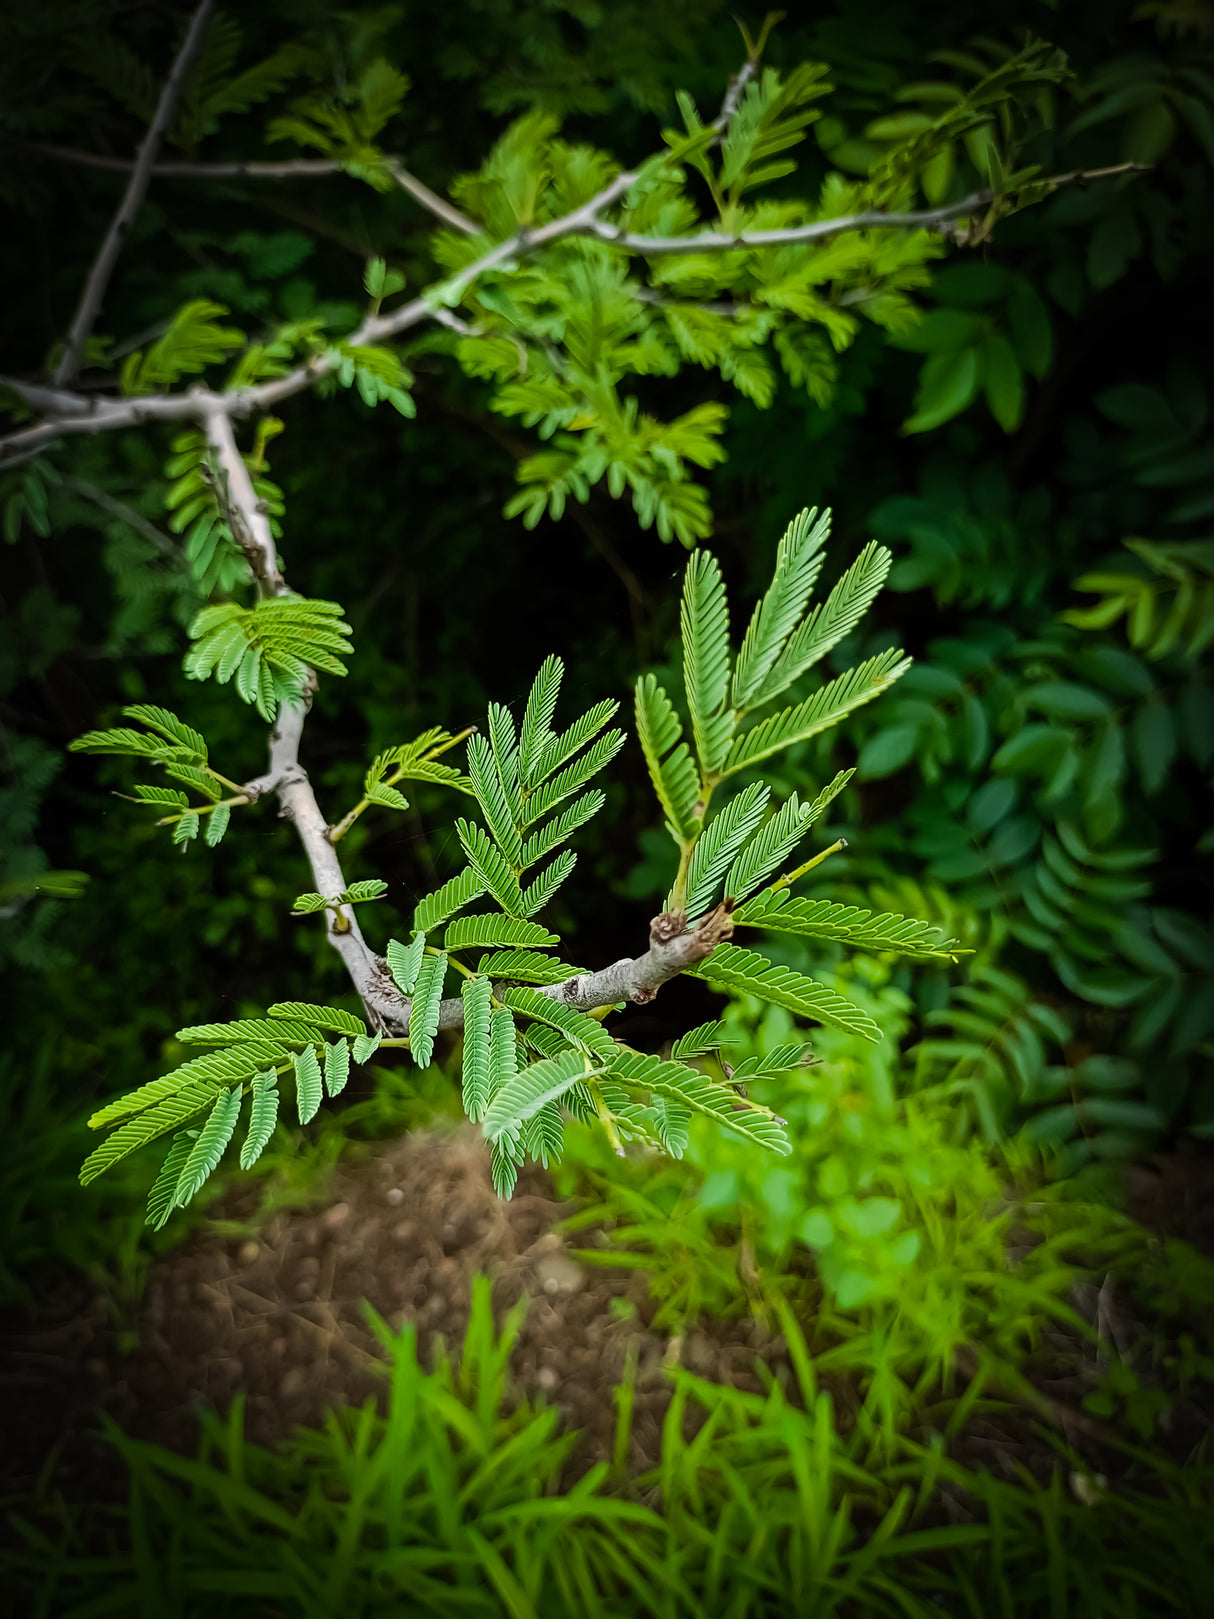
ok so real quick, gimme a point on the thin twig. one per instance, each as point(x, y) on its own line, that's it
point(125, 514)
point(103, 265)
point(304, 168)
point(79, 413)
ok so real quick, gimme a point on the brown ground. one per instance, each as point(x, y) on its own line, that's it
point(406, 1228)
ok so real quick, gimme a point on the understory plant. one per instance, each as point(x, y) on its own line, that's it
point(535, 1049)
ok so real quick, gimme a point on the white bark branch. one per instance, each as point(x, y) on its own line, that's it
point(80, 413)
point(302, 168)
point(246, 515)
point(103, 265)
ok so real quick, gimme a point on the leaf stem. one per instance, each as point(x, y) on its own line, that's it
point(790, 877)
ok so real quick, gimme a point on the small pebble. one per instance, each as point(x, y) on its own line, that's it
point(339, 1212)
point(395, 1195)
point(547, 1377)
point(248, 1252)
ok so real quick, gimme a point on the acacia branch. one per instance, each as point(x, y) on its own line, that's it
point(246, 515)
point(107, 257)
point(301, 168)
point(125, 514)
point(80, 413)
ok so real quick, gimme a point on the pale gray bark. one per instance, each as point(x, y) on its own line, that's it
point(246, 515)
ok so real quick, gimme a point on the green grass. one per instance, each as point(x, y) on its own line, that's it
point(450, 1502)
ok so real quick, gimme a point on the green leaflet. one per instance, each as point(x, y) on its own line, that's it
point(491, 867)
point(477, 998)
point(211, 1067)
point(503, 1049)
point(704, 620)
point(586, 1033)
point(719, 842)
point(549, 880)
point(503, 1167)
point(162, 1199)
point(668, 758)
point(742, 972)
point(819, 712)
point(166, 1114)
point(543, 1135)
point(544, 840)
point(524, 1094)
point(826, 626)
point(528, 967)
point(209, 1146)
point(448, 899)
point(265, 1031)
point(365, 1045)
point(537, 719)
point(696, 1042)
point(776, 1061)
point(423, 1014)
point(491, 796)
point(799, 560)
point(672, 1125)
point(404, 962)
point(553, 790)
point(321, 1017)
point(307, 1084)
point(563, 747)
point(489, 929)
point(847, 924)
point(337, 1067)
point(768, 849)
point(676, 1083)
point(217, 824)
point(263, 1116)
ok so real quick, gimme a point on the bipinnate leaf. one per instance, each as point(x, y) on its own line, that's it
point(477, 998)
point(263, 1116)
point(404, 962)
point(523, 1095)
point(743, 972)
point(704, 621)
point(320, 1017)
point(799, 560)
point(307, 1084)
point(674, 1082)
point(423, 1014)
point(208, 1147)
point(847, 924)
